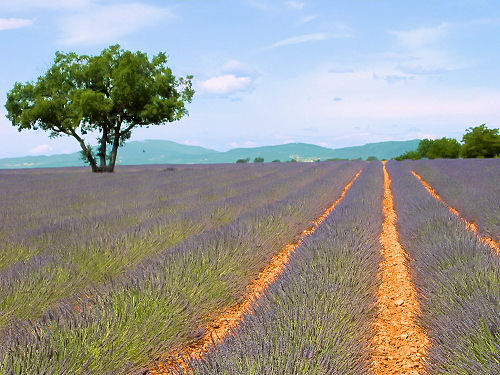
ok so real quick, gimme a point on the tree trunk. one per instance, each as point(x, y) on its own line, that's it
point(102, 148)
point(114, 149)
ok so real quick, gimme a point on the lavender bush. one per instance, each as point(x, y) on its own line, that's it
point(471, 186)
point(457, 277)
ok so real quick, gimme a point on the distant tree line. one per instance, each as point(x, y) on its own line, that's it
point(477, 142)
point(260, 159)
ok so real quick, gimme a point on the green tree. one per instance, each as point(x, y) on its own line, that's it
point(481, 142)
point(239, 161)
point(371, 158)
point(258, 159)
point(109, 95)
point(448, 148)
point(423, 147)
point(412, 155)
point(443, 148)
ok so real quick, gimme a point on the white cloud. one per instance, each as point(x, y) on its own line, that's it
point(104, 24)
point(14, 23)
point(310, 38)
point(307, 19)
point(224, 84)
point(16, 5)
point(259, 4)
point(420, 70)
point(424, 50)
point(422, 36)
point(40, 150)
point(237, 67)
point(294, 4)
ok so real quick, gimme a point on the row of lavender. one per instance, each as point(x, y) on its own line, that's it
point(87, 248)
point(38, 207)
point(125, 322)
point(471, 186)
point(457, 277)
point(318, 317)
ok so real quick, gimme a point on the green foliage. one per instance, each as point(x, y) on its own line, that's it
point(423, 147)
point(371, 158)
point(276, 161)
point(109, 94)
point(412, 155)
point(243, 160)
point(480, 141)
point(258, 159)
point(444, 148)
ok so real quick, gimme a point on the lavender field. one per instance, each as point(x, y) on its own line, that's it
point(105, 274)
point(109, 271)
point(457, 276)
point(471, 186)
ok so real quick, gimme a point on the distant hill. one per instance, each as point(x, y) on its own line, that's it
point(167, 152)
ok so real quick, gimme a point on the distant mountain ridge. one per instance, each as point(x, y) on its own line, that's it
point(168, 152)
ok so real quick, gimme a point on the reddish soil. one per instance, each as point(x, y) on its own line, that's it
point(495, 246)
point(217, 330)
point(399, 344)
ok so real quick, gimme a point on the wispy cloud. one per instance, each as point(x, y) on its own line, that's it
point(424, 50)
point(393, 78)
point(237, 67)
point(106, 23)
point(308, 19)
point(16, 5)
point(14, 23)
point(422, 36)
point(294, 4)
point(420, 70)
point(224, 84)
point(310, 38)
point(259, 4)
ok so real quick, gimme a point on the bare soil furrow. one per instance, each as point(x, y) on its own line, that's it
point(399, 344)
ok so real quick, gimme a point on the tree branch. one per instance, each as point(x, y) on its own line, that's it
point(86, 151)
point(126, 130)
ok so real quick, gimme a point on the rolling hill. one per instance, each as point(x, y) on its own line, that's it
point(168, 152)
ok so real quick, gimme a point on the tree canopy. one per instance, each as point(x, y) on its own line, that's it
point(109, 94)
point(477, 142)
point(480, 141)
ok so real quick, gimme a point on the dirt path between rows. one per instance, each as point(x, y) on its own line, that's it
point(218, 329)
point(495, 246)
point(399, 344)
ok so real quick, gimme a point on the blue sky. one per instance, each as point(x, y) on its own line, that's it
point(330, 72)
